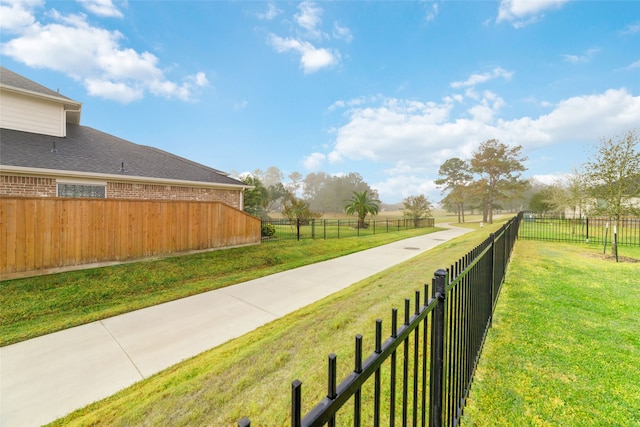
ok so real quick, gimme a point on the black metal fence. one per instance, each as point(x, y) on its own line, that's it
point(285, 229)
point(555, 227)
point(422, 373)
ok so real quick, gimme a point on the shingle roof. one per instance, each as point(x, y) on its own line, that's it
point(85, 149)
point(9, 78)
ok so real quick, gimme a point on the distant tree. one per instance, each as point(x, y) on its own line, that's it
point(327, 193)
point(255, 199)
point(272, 176)
point(295, 182)
point(416, 208)
point(499, 167)
point(613, 173)
point(297, 210)
point(568, 194)
point(277, 195)
point(541, 201)
point(362, 204)
point(455, 176)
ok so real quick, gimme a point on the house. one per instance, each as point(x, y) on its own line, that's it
point(72, 196)
point(46, 152)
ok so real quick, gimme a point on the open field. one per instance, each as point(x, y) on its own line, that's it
point(251, 375)
point(564, 348)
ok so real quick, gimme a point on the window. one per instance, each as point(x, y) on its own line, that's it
point(82, 190)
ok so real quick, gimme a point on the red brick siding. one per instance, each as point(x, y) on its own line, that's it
point(27, 186)
point(124, 190)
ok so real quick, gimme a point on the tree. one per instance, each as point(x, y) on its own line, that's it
point(613, 175)
point(455, 177)
point(255, 199)
point(499, 166)
point(416, 208)
point(297, 210)
point(295, 179)
point(327, 193)
point(569, 193)
point(362, 204)
point(541, 200)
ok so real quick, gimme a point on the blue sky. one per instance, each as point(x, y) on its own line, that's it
point(388, 89)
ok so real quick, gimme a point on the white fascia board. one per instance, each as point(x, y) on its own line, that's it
point(61, 174)
point(67, 101)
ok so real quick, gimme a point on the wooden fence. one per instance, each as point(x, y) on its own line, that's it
point(45, 233)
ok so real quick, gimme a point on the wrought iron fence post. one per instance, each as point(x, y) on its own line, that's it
point(298, 227)
point(437, 350)
point(492, 280)
point(296, 403)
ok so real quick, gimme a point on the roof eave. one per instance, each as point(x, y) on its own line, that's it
point(21, 170)
point(69, 104)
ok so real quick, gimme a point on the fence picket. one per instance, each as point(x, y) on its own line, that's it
point(45, 233)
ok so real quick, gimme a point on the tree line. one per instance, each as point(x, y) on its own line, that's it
point(609, 183)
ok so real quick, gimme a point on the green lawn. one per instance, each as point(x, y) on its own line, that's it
point(39, 305)
point(564, 349)
point(251, 375)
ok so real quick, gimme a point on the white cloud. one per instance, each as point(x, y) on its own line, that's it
point(634, 65)
point(241, 105)
point(585, 57)
point(312, 59)
point(309, 18)
point(95, 57)
point(271, 12)
point(432, 13)
point(524, 12)
point(342, 33)
point(104, 8)
point(476, 79)
point(314, 161)
point(309, 21)
point(413, 137)
point(17, 15)
point(632, 28)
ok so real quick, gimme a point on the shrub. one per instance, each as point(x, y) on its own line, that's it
point(268, 230)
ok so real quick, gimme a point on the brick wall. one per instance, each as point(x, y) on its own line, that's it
point(27, 186)
point(123, 190)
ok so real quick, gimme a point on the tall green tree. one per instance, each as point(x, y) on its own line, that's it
point(499, 167)
point(613, 175)
point(362, 204)
point(455, 176)
point(255, 199)
point(416, 208)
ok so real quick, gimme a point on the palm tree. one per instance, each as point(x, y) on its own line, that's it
point(361, 204)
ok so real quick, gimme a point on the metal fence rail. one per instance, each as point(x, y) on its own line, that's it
point(427, 364)
point(555, 227)
point(285, 229)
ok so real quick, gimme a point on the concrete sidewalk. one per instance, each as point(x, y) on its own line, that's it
point(47, 377)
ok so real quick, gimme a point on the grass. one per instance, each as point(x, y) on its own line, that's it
point(251, 375)
point(564, 349)
point(40, 305)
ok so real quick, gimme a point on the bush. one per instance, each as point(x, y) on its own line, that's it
point(268, 230)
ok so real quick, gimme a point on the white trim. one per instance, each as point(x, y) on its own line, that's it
point(79, 181)
point(58, 174)
point(59, 99)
